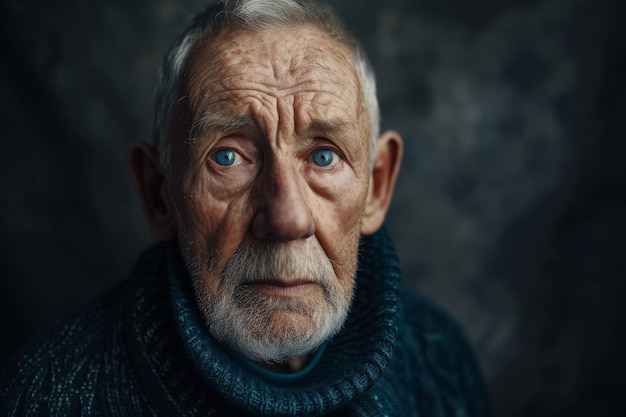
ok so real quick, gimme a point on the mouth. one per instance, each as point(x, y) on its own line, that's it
point(283, 288)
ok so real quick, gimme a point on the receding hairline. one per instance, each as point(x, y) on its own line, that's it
point(256, 15)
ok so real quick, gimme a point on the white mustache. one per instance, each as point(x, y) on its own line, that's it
point(265, 262)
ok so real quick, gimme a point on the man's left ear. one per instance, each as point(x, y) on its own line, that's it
point(382, 181)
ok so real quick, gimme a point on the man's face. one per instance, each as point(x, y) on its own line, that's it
point(271, 191)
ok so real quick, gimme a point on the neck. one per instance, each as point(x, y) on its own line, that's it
point(289, 366)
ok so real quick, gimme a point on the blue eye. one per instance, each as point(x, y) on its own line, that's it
point(323, 157)
point(225, 157)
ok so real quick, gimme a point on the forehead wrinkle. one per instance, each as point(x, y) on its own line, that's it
point(322, 112)
point(316, 81)
point(213, 108)
point(230, 65)
point(226, 62)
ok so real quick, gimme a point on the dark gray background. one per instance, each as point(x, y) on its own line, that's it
point(510, 208)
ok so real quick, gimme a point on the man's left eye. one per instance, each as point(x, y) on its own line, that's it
point(325, 158)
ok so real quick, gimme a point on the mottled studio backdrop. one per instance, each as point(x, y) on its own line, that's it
point(510, 209)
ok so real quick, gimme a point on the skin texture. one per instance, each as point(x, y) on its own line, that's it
point(275, 191)
point(275, 98)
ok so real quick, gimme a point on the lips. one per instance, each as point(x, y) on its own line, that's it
point(283, 288)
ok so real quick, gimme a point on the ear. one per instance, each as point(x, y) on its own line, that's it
point(150, 183)
point(382, 181)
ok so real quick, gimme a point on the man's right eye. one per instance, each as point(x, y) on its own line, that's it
point(226, 157)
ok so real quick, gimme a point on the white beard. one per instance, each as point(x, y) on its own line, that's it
point(245, 320)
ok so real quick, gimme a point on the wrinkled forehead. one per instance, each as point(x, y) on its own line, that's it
point(284, 59)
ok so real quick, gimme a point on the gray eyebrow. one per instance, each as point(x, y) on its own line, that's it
point(214, 120)
point(210, 120)
point(327, 125)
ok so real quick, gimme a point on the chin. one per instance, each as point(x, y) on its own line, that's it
point(274, 329)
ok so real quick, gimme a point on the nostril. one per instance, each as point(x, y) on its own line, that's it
point(285, 225)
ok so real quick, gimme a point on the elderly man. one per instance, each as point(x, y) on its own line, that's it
point(274, 290)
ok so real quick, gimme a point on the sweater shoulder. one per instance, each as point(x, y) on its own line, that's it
point(426, 320)
point(60, 370)
point(440, 357)
point(427, 327)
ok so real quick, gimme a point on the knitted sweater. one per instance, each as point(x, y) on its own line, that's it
point(142, 350)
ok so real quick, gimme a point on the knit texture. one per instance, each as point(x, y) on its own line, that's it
point(142, 350)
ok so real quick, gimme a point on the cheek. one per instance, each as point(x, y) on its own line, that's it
point(340, 202)
point(216, 219)
point(338, 222)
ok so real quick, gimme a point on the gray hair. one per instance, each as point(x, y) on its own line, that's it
point(256, 15)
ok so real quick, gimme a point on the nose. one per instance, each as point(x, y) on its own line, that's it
point(284, 213)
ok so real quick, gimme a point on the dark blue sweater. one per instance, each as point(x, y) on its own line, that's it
point(142, 350)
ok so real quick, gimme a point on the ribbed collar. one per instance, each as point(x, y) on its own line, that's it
point(351, 363)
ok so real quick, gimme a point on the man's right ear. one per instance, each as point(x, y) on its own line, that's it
point(149, 180)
